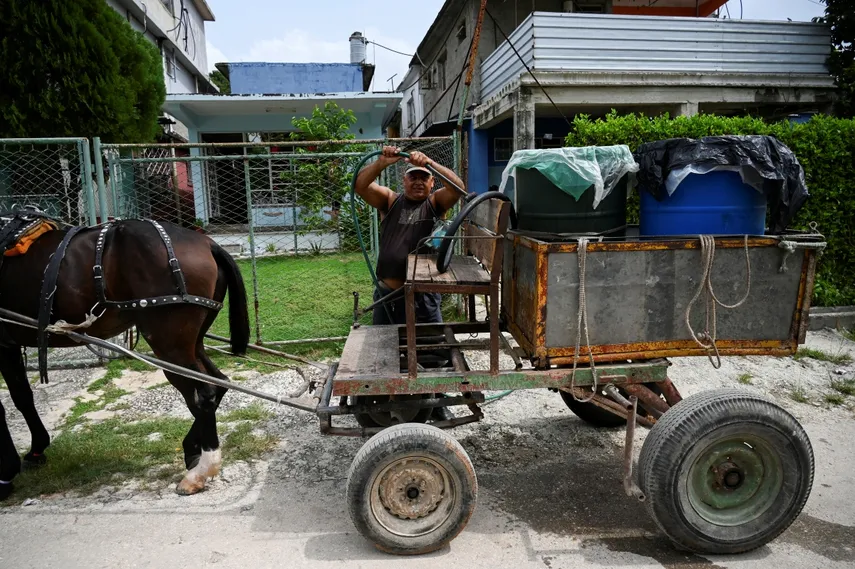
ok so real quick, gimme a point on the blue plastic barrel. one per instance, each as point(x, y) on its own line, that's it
point(716, 203)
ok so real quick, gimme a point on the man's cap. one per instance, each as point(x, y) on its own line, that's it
point(418, 169)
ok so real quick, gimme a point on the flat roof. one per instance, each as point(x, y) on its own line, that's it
point(190, 105)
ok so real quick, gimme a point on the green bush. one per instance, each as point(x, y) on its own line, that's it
point(825, 147)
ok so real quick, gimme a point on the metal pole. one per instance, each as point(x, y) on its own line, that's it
point(99, 175)
point(252, 247)
point(87, 180)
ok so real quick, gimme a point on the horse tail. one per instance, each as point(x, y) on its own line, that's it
point(238, 309)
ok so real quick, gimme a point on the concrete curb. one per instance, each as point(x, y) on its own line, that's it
point(836, 317)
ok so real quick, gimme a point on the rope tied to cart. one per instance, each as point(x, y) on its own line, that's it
point(582, 321)
point(711, 300)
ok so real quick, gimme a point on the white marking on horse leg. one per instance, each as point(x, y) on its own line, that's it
point(208, 467)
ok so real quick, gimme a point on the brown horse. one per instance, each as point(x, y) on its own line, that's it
point(135, 264)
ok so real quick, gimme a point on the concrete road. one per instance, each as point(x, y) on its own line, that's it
point(550, 496)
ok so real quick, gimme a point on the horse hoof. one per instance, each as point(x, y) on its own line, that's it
point(5, 491)
point(33, 460)
point(189, 487)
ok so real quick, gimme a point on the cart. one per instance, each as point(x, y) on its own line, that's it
point(724, 471)
point(596, 319)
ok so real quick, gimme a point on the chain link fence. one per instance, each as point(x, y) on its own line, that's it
point(283, 209)
point(53, 174)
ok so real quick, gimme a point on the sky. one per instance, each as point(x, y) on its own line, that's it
point(317, 31)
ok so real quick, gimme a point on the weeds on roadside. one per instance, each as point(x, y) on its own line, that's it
point(744, 379)
point(821, 356)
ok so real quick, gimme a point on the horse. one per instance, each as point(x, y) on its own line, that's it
point(111, 277)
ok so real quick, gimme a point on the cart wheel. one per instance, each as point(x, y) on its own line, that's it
point(411, 489)
point(726, 471)
point(598, 416)
point(387, 418)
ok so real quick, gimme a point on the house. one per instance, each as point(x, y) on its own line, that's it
point(590, 56)
point(177, 28)
point(265, 98)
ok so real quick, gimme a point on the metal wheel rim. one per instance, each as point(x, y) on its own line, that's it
point(429, 511)
point(734, 480)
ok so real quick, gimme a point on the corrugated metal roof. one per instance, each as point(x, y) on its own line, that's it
point(576, 42)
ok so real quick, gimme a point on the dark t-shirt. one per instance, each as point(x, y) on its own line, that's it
point(404, 225)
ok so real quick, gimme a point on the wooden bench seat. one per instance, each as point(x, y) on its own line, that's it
point(478, 271)
point(462, 270)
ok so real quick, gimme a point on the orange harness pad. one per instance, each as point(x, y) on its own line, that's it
point(23, 244)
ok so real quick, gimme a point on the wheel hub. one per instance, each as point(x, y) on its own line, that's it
point(734, 481)
point(728, 476)
point(411, 489)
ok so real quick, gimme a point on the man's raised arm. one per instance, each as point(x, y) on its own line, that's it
point(374, 194)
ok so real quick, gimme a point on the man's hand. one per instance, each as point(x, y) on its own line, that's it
point(389, 156)
point(374, 194)
point(419, 159)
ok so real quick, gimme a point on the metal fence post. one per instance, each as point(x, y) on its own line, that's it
point(252, 246)
point(87, 180)
point(99, 176)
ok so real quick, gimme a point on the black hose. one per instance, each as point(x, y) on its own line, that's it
point(443, 258)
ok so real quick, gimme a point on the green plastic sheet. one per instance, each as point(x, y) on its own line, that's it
point(576, 169)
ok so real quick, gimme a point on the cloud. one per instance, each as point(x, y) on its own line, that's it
point(214, 55)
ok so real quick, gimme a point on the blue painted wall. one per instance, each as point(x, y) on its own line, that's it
point(282, 78)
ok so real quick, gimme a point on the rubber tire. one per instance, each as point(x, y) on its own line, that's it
point(691, 425)
point(367, 421)
point(394, 443)
point(599, 417)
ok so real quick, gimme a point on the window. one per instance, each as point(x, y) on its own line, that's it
point(441, 67)
point(461, 32)
point(503, 149)
point(169, 56)
point(169, 5)
point(547, 141)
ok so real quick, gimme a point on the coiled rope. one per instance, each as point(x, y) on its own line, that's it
point(711, 300)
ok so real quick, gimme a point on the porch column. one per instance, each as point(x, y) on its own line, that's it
point(524, 120)
point(478, 179)
point(687, 109)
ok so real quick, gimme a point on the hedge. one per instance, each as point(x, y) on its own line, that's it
point(825, 147)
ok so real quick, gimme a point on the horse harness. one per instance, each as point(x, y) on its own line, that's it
point(24, 220)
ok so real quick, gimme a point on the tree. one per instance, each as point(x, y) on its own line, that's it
point(221, 81)
point(322, 184)
point(840, 17)
point(76, 69)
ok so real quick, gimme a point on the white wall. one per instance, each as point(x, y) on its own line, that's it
point(155, 19)
point(407, 122)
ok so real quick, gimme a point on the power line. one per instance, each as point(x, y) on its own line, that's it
point(390, 49)
point(510, 43)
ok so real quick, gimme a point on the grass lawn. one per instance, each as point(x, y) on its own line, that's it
point(308, 296)
point(304, 297)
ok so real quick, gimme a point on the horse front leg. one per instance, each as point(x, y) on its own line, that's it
point(10, 462)
point(15, 373)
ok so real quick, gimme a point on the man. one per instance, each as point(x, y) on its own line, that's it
point(406, 219)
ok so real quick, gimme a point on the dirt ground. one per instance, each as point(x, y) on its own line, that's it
point(550, 485)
